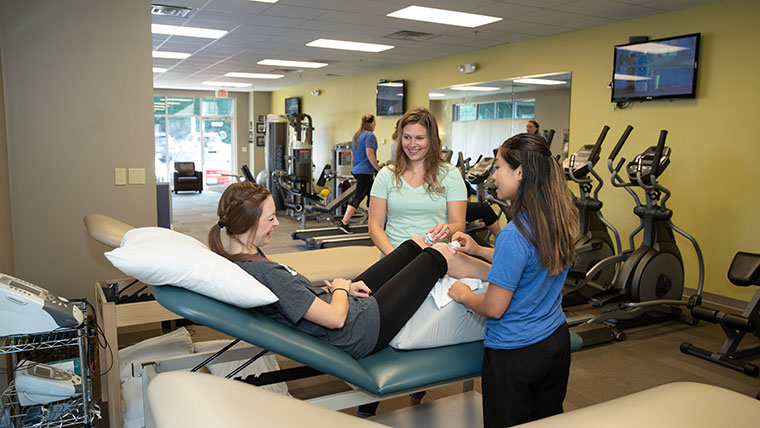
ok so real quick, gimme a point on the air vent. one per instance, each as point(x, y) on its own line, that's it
point(165, 10)
point(333, 75)
point(287, 70)
point(414, 36)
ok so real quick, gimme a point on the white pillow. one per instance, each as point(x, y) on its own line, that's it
point(433, 326)
point(267, 363)
point(158, 256)
point(172, 344)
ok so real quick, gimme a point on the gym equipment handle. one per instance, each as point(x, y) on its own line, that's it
point(658, 153)
point(598, 144)
point(550, 137)
point(620, 142)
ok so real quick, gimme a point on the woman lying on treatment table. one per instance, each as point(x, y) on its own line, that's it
point(359, 317)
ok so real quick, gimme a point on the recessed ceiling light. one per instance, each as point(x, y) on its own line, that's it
point(176, 30)
point(286, 63)
point(170, 55)
point(254, 75)
point(265, 1)
point(540, 81)
point(436, 95)
point(443, 16)
point(475, 88)
point(348, 46)
point(159, 69)
point(227, 84)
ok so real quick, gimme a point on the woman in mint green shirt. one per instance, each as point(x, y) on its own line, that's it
point(419, 193)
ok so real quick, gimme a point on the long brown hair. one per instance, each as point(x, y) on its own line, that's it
point(366, 125)
point(422, 116)
point(239, 211)
point(543, 195)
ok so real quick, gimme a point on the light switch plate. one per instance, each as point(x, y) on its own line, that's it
point(120, 176)
point(136, 175)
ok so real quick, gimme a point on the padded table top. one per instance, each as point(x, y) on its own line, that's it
point(384, 372)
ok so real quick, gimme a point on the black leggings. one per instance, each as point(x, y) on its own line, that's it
point(400, 282)
point(363, 187)
point(481, 211)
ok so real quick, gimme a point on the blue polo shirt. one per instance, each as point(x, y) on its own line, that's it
point(365, 140)
point(535, 311)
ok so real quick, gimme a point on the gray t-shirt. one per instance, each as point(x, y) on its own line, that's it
point(359, 333)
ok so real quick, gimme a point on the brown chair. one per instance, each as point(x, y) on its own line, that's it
point(187, 178)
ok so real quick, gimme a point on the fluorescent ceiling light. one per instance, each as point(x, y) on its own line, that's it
point(159, 69)
point(391, 84)
point(475, 88)
point(255, 75)
point(265, 1)
point(436, 95)
point(294, 64)
point(540, 81)
point(170, 55)
point(631, 77)
point(348, 46)
point(227, 84)
point(653, 48)
point(442, 16)
point(176, 30)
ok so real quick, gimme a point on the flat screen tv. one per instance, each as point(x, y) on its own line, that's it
point(656, 69)
point(390, 98)
point(292, 105)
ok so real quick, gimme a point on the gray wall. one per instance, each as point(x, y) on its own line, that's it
point(6, 227)
point(261, 107)
point(78, 103)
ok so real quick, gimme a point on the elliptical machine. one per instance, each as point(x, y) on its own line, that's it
point(649, 285)
point(594, 242)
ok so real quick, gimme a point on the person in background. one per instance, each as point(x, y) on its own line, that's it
point(532, 127)
point(526, 361)
point(364, 166)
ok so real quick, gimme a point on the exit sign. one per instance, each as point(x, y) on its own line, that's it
point(221, 93)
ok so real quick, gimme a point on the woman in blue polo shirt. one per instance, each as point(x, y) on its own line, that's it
point(526, 362)
point(365, 164)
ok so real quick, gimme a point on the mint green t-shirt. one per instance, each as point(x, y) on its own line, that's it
point(412, 211)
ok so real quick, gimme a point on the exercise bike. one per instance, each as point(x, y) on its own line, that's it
point(649, 285)
point(594, 242)
point(744, 271)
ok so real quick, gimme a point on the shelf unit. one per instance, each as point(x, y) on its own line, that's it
point(80, 407)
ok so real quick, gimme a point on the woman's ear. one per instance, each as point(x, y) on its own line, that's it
point(519, 171)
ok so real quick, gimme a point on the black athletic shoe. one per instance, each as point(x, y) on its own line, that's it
point(344, 227)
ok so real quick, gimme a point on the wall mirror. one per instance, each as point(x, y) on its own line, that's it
point(476, 118)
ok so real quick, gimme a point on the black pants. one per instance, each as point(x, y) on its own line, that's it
point(400, 282)
point(526, 384)
point(481, 211)
point(363, 187)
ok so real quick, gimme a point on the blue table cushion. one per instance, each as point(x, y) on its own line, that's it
point(381, 373)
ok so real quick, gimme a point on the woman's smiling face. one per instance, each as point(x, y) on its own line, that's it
point(415, 142)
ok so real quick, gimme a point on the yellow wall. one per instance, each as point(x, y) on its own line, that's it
point(712, 175)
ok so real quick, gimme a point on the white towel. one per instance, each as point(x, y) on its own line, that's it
point(440, 291)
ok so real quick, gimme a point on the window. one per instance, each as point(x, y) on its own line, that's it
point(486, 111)
point(197, 130)
point(503, 110)
point(465, 112)
point(523, 109)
